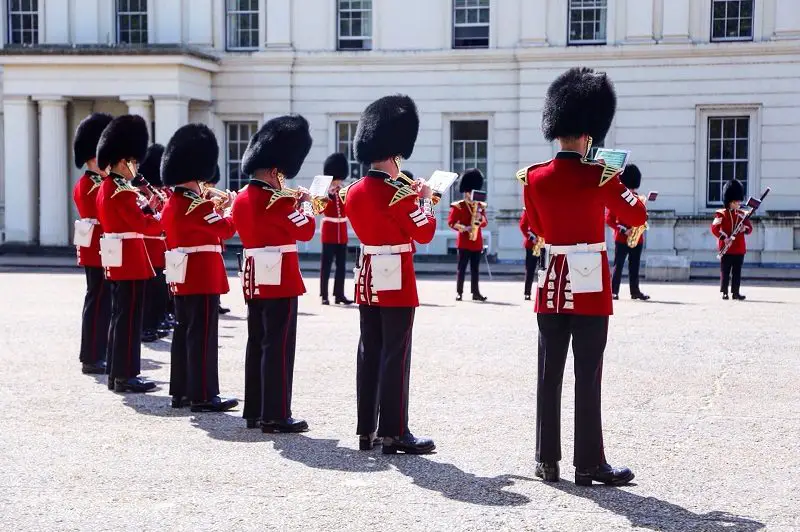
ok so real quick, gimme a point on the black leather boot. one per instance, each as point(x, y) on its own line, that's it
point(133, 385)
point(288, 425)
point(215, 404)
point(548, 471)
point(366, 442)
point(179, 402)
point(640, 295)
point(739, 297)
point(98, 368)
point(407, 443)
point(343, 301)
point(479, 297)
point(253, 423)
point(605, 474)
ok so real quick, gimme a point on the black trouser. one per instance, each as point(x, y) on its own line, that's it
point(731, 271)
point(269, 363)
point(155, 305)
point(125, 336)
point(329, 252)
point(383, 369)
point(634, 259)
point(588, 335)
point(194, 371)
point(474, 259)
point(96, 316)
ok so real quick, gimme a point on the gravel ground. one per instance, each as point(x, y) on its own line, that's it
point(700, 400)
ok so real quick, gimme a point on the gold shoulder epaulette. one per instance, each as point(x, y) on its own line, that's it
point(196, 200)
point(344, 190)
point(279, 194)
point(608, 171)
point(96, 182)
point(402, 193)
point(522, 173)
point(396, 183)
point(123, 186)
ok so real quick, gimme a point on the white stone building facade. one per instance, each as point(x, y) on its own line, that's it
point(707, 89)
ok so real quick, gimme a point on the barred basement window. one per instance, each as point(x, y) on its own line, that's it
point(470, 23)
point(345, 131)
point(23, 22)
point(587, 21)
point(728, 154)
point(237, 137)
point(469, 147)
point(355, 24)
point(132, 21)
point(242, 24)
point(732, 20)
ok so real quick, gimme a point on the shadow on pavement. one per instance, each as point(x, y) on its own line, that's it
point(231, 317)
point(655, 514)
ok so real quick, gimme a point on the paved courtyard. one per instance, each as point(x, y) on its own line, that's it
point(700, 399)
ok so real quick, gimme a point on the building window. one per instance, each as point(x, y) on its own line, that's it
point(345, 131)
point(470, 23)
point(238, 135)
point(587, 21)
point(23, 22)
point(242, 16)
point(728, 154)
point(469, 147)
point(132, 21)
point(732, 20)
point(355, 24)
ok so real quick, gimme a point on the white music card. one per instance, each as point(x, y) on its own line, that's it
point(319, 187)
point(440, 181)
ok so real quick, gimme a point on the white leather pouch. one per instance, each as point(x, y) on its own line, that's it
point(111, 252)
point(268, 265)
point(387, 272)
point(84, 230)
point(585, 272)
point(176, 264)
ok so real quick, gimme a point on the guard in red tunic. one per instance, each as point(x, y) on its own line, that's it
point(387, 217)
point(122, 146)
point(722, 228)
point(213, 183)
point(156, 291)
point(334, 231)
point(195, 230)
point(565, 199)
point(97, 302)
point(631, 178)
point(468, 218)
point(270, 222)
point(529, 239)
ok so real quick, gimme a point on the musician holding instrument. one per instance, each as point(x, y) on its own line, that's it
point(724, 227)
point(334, 232)
point(270, 220)
point(468, 218)
point(534, 252)
point(195, 269)
point(565, 200)
point(210, 192)
point(628, 241)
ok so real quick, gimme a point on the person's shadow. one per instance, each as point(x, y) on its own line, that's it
point(655, 514)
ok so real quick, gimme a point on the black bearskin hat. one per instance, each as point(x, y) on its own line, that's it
point(125, 137)
point(217, 176)
point(631, 177)
point(732, 191)
point(336, 165)
point(388, 127)
point(579, 102)
point(282, 143)
point(471, 179)
point(87, 136)
point(150, 167)
point(191, 155)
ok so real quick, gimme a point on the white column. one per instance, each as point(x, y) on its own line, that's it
point(53, 169)
point(787, 19)
point(279, 24)
point(21, 186)
point(142, 106)
point(677, 15)
point(639, 21)
point(171, 113)
point(533, 22)
point(79, 110)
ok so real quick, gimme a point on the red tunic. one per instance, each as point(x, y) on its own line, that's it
point(85, 197)
point(264, 217)
point(191, 221)
point(119, 212)
point(528, 236)
point(383, 212)
point(565, 200)
point(722, 226)
point(461, 213)
point(616, 224)
point(334, 224)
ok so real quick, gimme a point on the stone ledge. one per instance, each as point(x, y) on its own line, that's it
point(112, 49)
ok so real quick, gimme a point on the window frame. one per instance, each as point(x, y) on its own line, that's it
point(238, 121)
point(335, 143)
point(751, 38)
point(227, 16)
point(118, 26)
point(582, 42)
point(363, 37)
point(37, 13)
point(703, 113)
point(454, 25)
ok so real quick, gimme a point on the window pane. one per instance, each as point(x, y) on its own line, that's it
point(727, 149)
point(715, 150)
point(728, 153)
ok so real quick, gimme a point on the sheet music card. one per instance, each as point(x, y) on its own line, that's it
point(617, 159)
point(440, 181)
point(319, 187)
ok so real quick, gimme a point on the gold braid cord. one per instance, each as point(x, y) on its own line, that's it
point(278, 194)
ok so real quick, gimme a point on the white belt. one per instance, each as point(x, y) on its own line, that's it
point(577, 248)
point(288, 248)
point(334, 220)
point(386, 250)
point(154, 237)
point(123, 236)
point(211, 248)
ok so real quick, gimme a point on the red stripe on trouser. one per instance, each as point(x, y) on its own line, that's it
point(94, 322)
point(403, 380)
point(130, 330)
point(285, 340)
point(205, 353)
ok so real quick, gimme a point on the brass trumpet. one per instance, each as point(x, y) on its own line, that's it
point(219, 197)
point(435, 197)
point(538, 246)
point(476, 207)
point(318, 204)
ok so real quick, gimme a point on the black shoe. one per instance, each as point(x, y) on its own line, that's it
point(368, 442)
point(527, 297)
point(133, 385)
point(180, 402)
point(216, 404)
point(459, 297)
point(325, 301)
point(343, 301)
point(478, 297)
point(253, 423)
point(162, 333)
point(98, 368)
point(165, 326)
point(409, 444)
point(149, 336)
point(643, 297)
point(223, 310)
point(171, 320)
point(289, 425)
point(110, 383)
point(548, 471)
point(605, 474)
point(614, 296)
point(739, 297)
point(725, 296)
